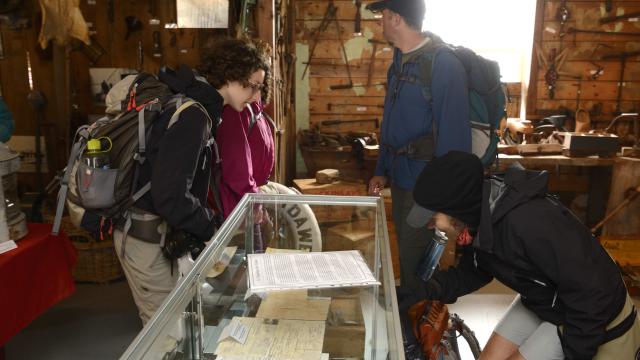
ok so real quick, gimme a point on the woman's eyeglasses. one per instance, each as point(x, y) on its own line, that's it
point(255, 87)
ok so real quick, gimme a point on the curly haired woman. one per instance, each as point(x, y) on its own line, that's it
point(246, 147)
point(178, 166)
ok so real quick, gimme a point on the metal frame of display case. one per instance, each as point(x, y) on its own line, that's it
point(187, 294)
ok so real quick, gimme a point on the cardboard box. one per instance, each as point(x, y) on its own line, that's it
point(625, 250)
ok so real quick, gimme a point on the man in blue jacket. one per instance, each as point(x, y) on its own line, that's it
point(414, 129)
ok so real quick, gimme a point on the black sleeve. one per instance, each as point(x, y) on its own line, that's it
point(173, 172)
point(458, 280)
point(588, 282)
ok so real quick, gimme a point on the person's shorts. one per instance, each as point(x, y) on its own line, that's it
point(538, 340)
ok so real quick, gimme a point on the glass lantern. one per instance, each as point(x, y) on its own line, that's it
point(11, 218)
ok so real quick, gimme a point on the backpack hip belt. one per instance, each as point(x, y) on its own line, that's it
point(145, 226)
point(422, 149)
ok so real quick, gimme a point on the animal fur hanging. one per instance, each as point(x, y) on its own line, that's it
point(62, 20)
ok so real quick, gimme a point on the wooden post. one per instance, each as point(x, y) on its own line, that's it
point(626, 175)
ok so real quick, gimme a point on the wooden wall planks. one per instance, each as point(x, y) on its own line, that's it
point(584, 58)
point(119, 53)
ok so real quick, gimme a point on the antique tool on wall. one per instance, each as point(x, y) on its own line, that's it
point(328, 18)
point(595, 74)
point(630, 195)
point(93, 51)
point(610, 19)
point(111, 13)
point(599, 70)
point(248, 17)
point(153, 13)
point(332, 106)
point(157, 45)
point(623, 61)
point(552, 64)
point(375, 122)
point(574, 31)
point(133, 25)
point(562, 15)
point(582, 117)
point(372, 61)
point(358, 20)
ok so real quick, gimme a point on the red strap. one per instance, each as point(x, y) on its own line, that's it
point(132, 98)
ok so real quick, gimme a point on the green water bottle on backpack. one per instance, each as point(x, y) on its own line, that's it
point(97, 153)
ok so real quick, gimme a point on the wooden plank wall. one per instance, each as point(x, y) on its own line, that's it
point(597, 95)
point(119, 53)
point(328, 66)
point(584, 54)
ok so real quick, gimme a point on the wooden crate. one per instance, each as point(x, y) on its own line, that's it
point(357, 235)
point(331, 213)
point(344, 334)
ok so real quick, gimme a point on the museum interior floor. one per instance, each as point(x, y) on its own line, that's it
point(98, 322)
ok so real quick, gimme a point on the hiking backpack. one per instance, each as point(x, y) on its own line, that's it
point(95, 195)
point(487, 99)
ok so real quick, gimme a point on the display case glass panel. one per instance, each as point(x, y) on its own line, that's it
point(213, 314)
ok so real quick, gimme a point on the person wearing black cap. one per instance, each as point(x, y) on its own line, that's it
point(410, 119)
point(572, 302)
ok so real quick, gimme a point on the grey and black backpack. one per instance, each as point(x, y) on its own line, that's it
point(487, 98)
point(90, 193)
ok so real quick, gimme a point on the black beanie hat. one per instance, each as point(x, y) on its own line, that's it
point(450, 184)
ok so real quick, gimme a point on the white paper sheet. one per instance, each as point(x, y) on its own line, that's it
point(203, 14)
point(7, 246)
point(281, 339)
point(272, 272)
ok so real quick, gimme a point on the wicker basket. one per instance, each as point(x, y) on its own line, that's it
point(97, 260)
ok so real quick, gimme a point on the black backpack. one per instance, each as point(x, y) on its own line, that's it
point(109, 193)
point(487, 99)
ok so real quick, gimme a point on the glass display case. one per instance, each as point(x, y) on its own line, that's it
point(215, 313)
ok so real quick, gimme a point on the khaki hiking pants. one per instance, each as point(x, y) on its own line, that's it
point(538, 340)
point(148, 273)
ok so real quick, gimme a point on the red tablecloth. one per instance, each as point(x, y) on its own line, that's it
point(33, 277)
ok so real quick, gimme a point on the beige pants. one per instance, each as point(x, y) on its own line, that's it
point(627, 345)
point(538, 340)
point(148, 273)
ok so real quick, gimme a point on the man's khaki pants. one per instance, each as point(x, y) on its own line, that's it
point(148, 273)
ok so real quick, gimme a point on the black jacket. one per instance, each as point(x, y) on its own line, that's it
point(534, 245)
point(179, 162)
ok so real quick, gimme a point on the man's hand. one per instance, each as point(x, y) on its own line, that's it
point(519, 126)
point(376, 184)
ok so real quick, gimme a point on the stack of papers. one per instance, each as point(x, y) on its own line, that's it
point(286, 271)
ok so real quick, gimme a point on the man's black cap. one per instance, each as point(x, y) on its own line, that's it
point(410, 9)
point(450, 184)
